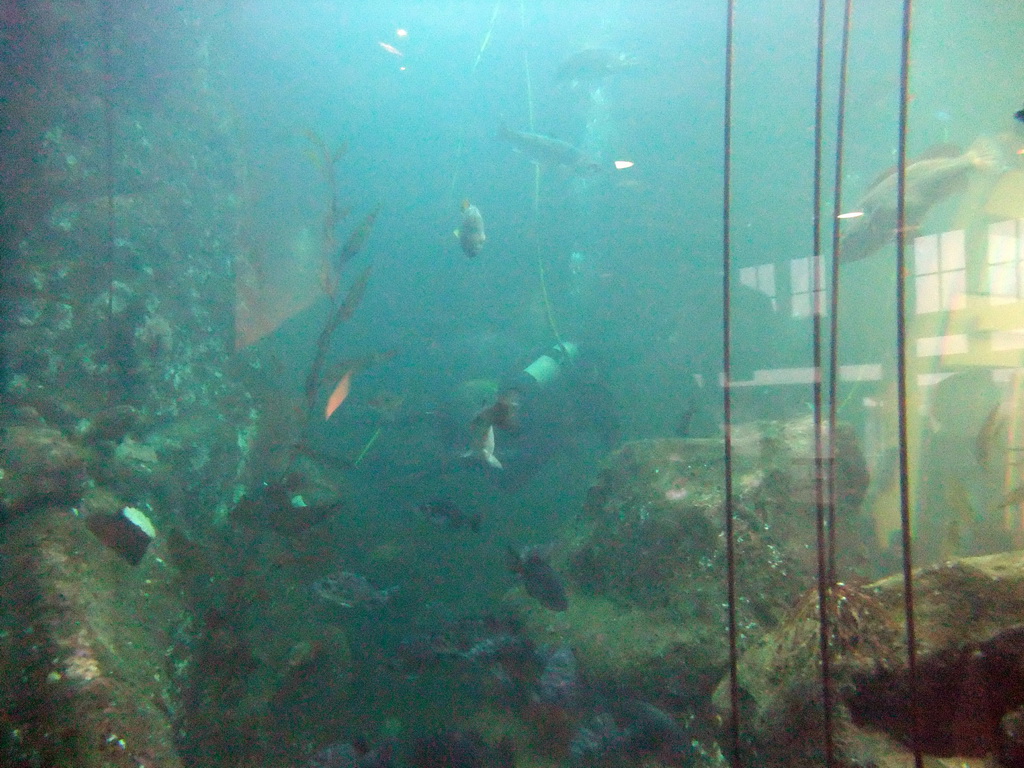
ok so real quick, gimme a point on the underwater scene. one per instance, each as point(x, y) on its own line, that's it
point(516, 384)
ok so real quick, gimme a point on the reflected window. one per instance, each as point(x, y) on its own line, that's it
point(804, 297)
point(939, 271)
point(1005, 249)
point(761, 279)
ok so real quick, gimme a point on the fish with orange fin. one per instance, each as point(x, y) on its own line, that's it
point(471, 234)
point(927, 182)
point(339, 394)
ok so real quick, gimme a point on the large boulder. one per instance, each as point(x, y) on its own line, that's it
point(970, 672)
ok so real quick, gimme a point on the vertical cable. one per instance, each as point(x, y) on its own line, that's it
point(730, 546)
point(541, 271)
point(837, 209)
point(901, 380)
point(822, 461)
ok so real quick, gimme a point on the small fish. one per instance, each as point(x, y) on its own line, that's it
point(540, 580)
point(481, 446)
point(338, 395)
point(390, 49)
point(444, 512)
point(928, 181)
point(546, 150)
point(592, 64)
point(471, 234)
point(991, 429)
point(1019, 115)
point(349, 590)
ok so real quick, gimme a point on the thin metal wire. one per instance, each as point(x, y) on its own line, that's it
point(822, 463)
point(730, 547)
point(901, 382)
point(837, 209)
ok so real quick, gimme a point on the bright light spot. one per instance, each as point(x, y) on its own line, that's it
point(850, 215)
point(620, 164)
point(390, 49)
point(402, 32)
point(401, 69)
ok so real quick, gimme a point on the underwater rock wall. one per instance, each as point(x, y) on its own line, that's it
point(118, 279)
point(87, 650)
point(120, 183)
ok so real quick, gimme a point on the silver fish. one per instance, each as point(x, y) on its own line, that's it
point(471, 234)
point(927, 182)
point(349, 590)
point(547, 150)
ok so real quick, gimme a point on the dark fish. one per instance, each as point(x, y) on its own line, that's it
point(1019, 115)
point(593, 64)
point(348, 755)
point(546, 150)
point(444, 512)
point(540, 580)
point(349, 590)
point(471, 234)
point(559, 681)
point(927, 182)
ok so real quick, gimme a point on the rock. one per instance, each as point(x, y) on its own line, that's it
point(970, 682)
point(87, 673)
point(38, 467)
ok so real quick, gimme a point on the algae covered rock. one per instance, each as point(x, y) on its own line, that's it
point(645, 562)
point(38, 466)
point(87, 662)
point(970, 672)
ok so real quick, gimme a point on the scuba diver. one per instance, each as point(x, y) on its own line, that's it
point(538, 411)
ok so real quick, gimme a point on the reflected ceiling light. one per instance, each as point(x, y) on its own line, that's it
point(402, 32)
point(850, 215)
point(620, 164)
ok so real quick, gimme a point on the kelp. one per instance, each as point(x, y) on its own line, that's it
point(356, 239)
point(339, 313)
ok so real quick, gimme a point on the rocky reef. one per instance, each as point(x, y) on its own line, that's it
point(645, 561)
point(970, 672)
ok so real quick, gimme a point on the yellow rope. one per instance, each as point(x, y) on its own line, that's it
point(487, 37)
point(366, 447)
point(548, 311)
